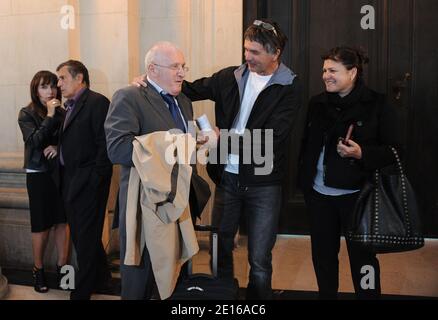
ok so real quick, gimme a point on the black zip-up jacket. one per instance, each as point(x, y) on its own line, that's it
point(276, 108)
point(38, 133)
point(377, 125)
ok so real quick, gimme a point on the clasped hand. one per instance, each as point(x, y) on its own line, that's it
point(349, 149)
point(50, 152)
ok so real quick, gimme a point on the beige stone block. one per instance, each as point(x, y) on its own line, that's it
point(107, 89)
point(22, 98)
point(229, 36)
point(229, 6)
point(103, 6)
point(134, 54)
point(42, 45)
point(5, 7)
point(164, 29)
point(37, 6)
point(8, 119)
point(153, 9)
point(178, 8)
point(8, 50)
point(176, 25)
point(152, 31)
point(102, 88)
point(104, 47)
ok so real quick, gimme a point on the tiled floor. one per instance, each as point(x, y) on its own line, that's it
point(412, 273)
point(17, 292)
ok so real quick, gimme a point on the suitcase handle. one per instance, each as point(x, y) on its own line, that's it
point(204, 227)
point(214, 245)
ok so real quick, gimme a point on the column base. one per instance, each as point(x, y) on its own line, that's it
point(3, 285)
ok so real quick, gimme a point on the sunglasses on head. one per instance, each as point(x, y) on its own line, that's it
point(266, 26)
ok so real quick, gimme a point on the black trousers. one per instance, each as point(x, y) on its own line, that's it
point(329, 218)
point(85, 217)
point(138, 282)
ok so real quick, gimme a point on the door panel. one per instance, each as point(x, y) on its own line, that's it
point(422, 155)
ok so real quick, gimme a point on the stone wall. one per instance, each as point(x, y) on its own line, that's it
point(31, 40)
point(111, 37)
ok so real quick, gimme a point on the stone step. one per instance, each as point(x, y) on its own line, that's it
point(16, 240)
point(14, 198)
point(11, 160)
point(15, 230)
point(12, 174)
point(14, 215)
point(10, 179)
point(3, 285)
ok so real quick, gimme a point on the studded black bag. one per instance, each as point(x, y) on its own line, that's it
point(386, 215)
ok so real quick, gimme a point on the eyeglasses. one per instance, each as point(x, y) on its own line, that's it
point(266, 26)
point(174, 67)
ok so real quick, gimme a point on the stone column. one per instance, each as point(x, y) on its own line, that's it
point(215, 42)
point(3, 285)
point(31, 40)
point(106, 39)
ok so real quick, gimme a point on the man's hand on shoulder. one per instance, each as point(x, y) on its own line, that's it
point(140, 81)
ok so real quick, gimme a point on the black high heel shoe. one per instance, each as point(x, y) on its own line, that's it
point(39, 280)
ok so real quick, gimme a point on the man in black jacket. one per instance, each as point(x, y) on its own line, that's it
point(85, 173)
point(262, 97)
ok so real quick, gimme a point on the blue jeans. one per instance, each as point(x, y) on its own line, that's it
point(261, 206)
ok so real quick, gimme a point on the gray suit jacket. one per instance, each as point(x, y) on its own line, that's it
point(135, 112)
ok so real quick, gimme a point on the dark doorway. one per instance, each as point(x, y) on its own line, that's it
point(403, 53)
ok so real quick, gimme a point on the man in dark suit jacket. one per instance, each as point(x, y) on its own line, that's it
point(139, 111)
point(85, 175)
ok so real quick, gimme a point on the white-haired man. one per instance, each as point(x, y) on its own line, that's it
point(138, 111)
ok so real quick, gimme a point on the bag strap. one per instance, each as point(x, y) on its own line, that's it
point(397, 160)
point(404, 191)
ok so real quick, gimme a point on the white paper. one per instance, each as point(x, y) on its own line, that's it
point(203, 123)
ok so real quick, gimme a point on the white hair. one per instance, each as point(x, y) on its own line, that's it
point(156, 50)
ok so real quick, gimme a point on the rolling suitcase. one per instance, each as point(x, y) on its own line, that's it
point(201, 286)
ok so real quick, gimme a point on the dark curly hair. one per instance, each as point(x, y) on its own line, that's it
point(350, 57)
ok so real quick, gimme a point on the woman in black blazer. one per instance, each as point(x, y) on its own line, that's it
point(40, 123)
point(349, 130)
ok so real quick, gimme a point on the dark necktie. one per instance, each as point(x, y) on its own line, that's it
point(174, 110)
point(69, 107)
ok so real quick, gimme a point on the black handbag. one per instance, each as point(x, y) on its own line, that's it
point(386, 215)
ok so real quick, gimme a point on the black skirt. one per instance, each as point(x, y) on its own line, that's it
point(45, 203)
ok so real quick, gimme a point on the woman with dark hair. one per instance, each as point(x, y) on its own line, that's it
point(40, 123)
point(349, 131)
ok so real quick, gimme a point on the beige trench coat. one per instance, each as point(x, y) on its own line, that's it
point(162, 222)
